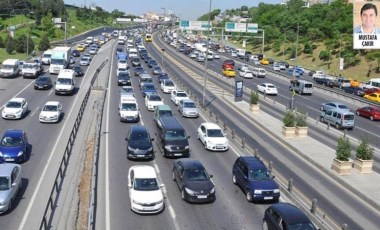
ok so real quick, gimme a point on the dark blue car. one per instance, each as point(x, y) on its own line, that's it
point(148, 88)
point(162, 76)
point(14, 146)
point(253, 177)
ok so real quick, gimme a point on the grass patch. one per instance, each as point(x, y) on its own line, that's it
point(4, 55)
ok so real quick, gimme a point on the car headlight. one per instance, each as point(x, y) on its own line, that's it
point(189, 191)
point(212, 190)
point(150, 149)
point(276, 191)
point(186, 147)
point(130, 148)
point(1, 154)
point(257, 191)
point(137, 202)
point(168, 147)
point(20, 153)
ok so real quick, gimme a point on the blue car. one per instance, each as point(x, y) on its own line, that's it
point(162, 76)
point(148, 88)
point(253, 177)
point(294, 73)
point(14, 146)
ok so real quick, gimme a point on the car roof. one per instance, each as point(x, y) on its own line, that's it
point(17, 99)
point(290, 213)
point(52, 103)
point(13, 132)
point(144, 171)
point(138, 128)
point(253, 162)
point(211, 126)
point(191, 164)
point(163, 107)
point(6, 168)
point(187, 101)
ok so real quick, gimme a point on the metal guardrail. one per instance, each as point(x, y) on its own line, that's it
point(309, 206)
point(59, 178)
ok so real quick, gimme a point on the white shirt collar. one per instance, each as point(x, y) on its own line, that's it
point(373, 30)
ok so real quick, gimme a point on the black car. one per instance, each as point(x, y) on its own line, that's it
point(152, 63)
point(75, 53)
point(162, 76)
point(251, 175)
point(324, 81)
point(271, 61)
point(193, 181)
point(139, 70)
point(291, 218)
point(139, 143)
point(119, 50)
point(43, 82)
point(354, 90)
point(136, 62)
point(124, 79)
point(78, 70)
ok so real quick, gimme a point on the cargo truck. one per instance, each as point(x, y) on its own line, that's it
point(60, 59)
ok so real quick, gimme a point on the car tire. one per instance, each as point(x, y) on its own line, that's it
point(265, 225)
point(234, 178)
point(248, 196)
point(337, 126)
point(371, 118)
point(183, 194)
point(173, 176)
point(322, 119)
point(10, 205)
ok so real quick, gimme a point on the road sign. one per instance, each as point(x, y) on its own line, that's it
point(235, 27)
point(195, 25)
point(252, 28)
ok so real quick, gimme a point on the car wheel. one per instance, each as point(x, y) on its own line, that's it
point(10, 206)
point(234, 178)
point(322, 119)
point(173, 176)
point(371, 118)
point(248, 195)
point(183, 194)
point(337, 125)
point(265, 225)
point(358, 113)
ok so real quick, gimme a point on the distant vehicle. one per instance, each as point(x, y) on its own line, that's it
point(341, 119)
point(60, 59)
point(10, 68)
point(212, 137)
point(123, 78)
point(267, 88)
point(354, 90)
point(242, 67)
point(14, 146)
point(10, 185)
point(15, 108)
point(51, 112)
point(188, 108)
point(258, 72)
point(151, 63)
point(355, 83)
point(65, 83)
point(228, 64)
point(276, 67)
point(201, 58)
point(43, 82)
point(301, 87)
point(162, 111)
point(162, 76)
point(128, 109)
point(75, 53)
point(145, 192)
point(193, 181)
point(324, 81)
point(156, 70)
point(78, 70)
point(229, 72)
point(93, 50)
point(246, 73)
point(122, 63)
point(136, 62)
point(148, 37)
point(46, 57)
point(139, 143)
point(333, 105)
point(373, 97)
point(31, 70)
point(84, 61)
point(139, 70)
point(342, 82)
point(264, 61)
point(291, 218)
point(253, 177)
point(371, 112)
point(127, 90)
point(177, 95)
point(148, 88)
point(373, 84)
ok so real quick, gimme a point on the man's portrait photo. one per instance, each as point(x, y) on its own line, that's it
point(368, 18)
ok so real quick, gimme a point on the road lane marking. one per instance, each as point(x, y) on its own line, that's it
point(19, 93)
point(32, 114)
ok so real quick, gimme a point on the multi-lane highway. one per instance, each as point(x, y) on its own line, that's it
point(230, 210)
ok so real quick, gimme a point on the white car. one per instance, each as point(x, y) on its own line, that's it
point(193, 55)
point(152, 100)
point(119, 70)
point(122, 63)
point(178, 95)
point(212, 137)
point(216, 56)
point(267, 88)
point(51, 112)
point(15, 108)
point(246, 73)
point(167, 86)
point(276, 67)
point(145, 192)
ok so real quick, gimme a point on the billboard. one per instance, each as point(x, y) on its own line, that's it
point(241, 27)
point(194, 25)
point(366, 25)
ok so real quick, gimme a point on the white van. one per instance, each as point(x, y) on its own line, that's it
point(10, 68)
point(373, 83)
point(128, 108)
point(89, 41)
point(258, 72)
point(65, 83)
point(46, 57)
point(132, 52)
point(301, 87)
point(121, 40)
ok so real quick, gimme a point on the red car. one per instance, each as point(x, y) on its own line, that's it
point(228, 64)
point(371, 91)
point(371, 112)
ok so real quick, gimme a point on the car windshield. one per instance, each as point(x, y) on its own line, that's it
point(85, 59)
point(128, 107)
point(126, 90)
point(196, 174)
point(4, 183)
point(349, 117)
point(258, 174)
point(11, 141)
point(166, 113)
point(29, 66)
point(181, 95)
point(149, 87)
point(215, 133)
point(51, 108)
point(76, 68)
point(302, 226)
point(271, 86)
point(189, 105)
point(13, 104)
point(154, 98)
point(149, 184)
point(169, 83)
point(139, 137)
point(64, 81)
point(7, 66)
point(42, 79)
point(175, 135)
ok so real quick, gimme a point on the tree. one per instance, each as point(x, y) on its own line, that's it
point(116, 14)
point(20, 43)
point(9, 45)
point(374, 56)
point(364, 150)
point(47, 24)
point(44, 43)
point(1, 42)
point(324, 55)
point(343, 150)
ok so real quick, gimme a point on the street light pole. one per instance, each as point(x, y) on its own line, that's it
point(205, 77)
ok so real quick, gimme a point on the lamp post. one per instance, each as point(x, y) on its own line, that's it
point(205, 77)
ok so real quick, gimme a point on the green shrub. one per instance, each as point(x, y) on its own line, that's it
point(343, 150)
point(301, 120)
point(364, 151)
point(254, 98)
point(289, 119)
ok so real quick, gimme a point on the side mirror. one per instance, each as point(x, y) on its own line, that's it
point(152, 139)
point(273, 177)
point(126, 138)
point(129, 186)
point(14, 184)
point(211, 176)
point(188, 137)
point(162, 185)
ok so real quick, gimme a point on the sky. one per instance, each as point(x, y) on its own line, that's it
point(185, 9)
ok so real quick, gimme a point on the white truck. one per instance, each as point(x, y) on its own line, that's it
point(31, 69)
point(60, 59)
point(320, 74)
point(128, 109)
point(65, 83)
point(121, 40)
point(46, 57)
point(10, 68)
point(200, 47)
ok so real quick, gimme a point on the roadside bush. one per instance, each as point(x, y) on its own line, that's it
point(289, 119)
point(343, 150)
point(364, 151)
point(9, 45)
point(44, 43)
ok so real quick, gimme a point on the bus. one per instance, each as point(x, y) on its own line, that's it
point(148, 37)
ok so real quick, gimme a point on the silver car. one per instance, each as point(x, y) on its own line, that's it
point(84, 61)
point(188, 108)
point(10, 184)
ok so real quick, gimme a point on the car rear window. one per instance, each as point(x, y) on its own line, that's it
point(349, 117)
point(342, 107)
point(308, 85)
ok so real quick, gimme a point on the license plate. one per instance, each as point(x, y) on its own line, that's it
point(202, 196)
point(140, 155)
point(268, 198)
point(177, 154)
point(147, 208)
point(9, 159)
